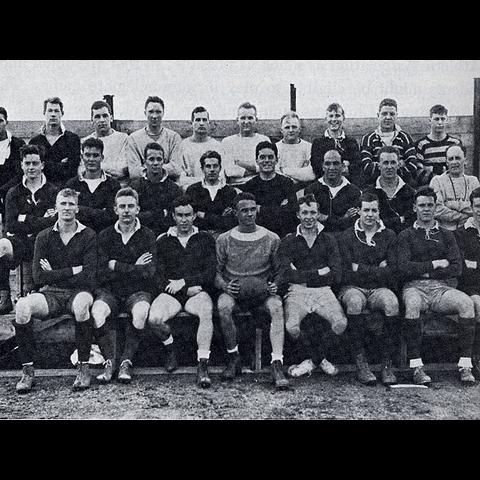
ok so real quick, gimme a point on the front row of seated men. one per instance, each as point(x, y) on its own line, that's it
point(334, 276)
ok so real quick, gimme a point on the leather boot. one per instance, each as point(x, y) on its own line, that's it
point(171, 363)
point(107, 374)
point(387, 375)
point(281, 383)
point(82, 381)
point(125, 372)
point(203, 380)
point(364, 374)
point(234, 367)
point(27, 381)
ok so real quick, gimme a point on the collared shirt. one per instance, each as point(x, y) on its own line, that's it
point(429, 231)
point(299, 233)
point(80, 227)
point(470, 223)
point(213, 189)
point(126, 236)
point(400, 184)
point(5, 148)
point(43, 181)
point(165, 175)
point(334, 190)
point(43, 129)
point(368, 240)
point(173, 232)
point(92, 183)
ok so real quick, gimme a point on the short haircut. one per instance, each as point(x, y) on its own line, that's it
point(438, 110)
point(4, 113)
point(182, 201)
point(290, 114)
point(368, 197)
point(154, 99)
point(474, 194)
point(335, 107)
point(247, 105)
point(210, 154)
point(55, 100)
point(308, 199)
point(464, 150)
point(388, 102)
point(389, 149)
point(243, 196)
point(98, 104)
point(93, 143)
point(266, 144)
point(152, 146)
point(425, 191)
point(32, 150)
point(199, 110)
point(127, 192)
point(68, 192)
point(332, 150)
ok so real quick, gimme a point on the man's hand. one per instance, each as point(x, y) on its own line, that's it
point(50, 213)
point(144, 259)
point(284, 202)
point(111, 264)
point(201, 214)
point(470, 264)
point(322, 217)
point(323, 271)
point(402, 219)
point(77, 269)
point(443, 263)
point(350, 213)
point(227, 211)
point(45, 264)
point(272, 288)
point(192, 291)
point(233, 288)
point(174, 286)
point(354, 267)
point(64, 160)
point(382, 264)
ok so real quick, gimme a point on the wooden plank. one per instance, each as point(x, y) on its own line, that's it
point(476, 127)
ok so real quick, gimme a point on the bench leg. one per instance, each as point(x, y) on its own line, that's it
point(258, 349)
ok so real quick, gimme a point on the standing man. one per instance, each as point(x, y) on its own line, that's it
point(193, 147)
point(394, 195)
point(156, 191)
point(453, 189)
point(248, 254)
point(429, 261)
point(334, 138)
point(97, 189)
point(274, 193)
point(311, 265)
point(185, 275)
point(157, 133)
point(64, 265)
point(368, 251)
point(62, 147)
point(115, 143)
point(336, 196)
point(212, 197)
point(431, 149)
point(126, 265)
point(239, 149)
point(388, 133)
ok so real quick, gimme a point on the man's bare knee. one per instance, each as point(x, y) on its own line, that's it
point(23, 311)
point(140, 314)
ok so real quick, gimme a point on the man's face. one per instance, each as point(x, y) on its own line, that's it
point(424, 207)
point(3, 124)
point(32, 166)
point(247, 118)
point(291, 130)
point(387, 116)
point(388, 165)
point(200, 123)
point(154, 162)
point(266, 160)
point(211, 169)
point(184, 217)
point(335, 120)
point(53, 114)
point(66, 207)
point(126, 208)
point(438, 122)
point(369, 213)
point(154, 114)
point(308, 215)
point(455, 160)
point(476, 209)
point(246, 212)
point(101, 120)
point(92, 159)
point(332, 165)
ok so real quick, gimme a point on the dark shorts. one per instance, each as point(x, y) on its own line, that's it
point(60, 300)
point(118, 303)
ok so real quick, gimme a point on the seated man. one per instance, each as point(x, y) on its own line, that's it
point(64, 265)
point(156, 191)
point(311, 264)
point(185, 274)
point(274, 193)
point(453, 189)
point(431, 149)
point(294, 152)
point(369, 275)
point(212, 197)
point(126, 265)
point(429, 260)
point(337, 198)
point(248, 254)
point(334, 138)
point(394, 195)
point(97, 189)
point(388, 133)
point(469, 282)
point(115, 143)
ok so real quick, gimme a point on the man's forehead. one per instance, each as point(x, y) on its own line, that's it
point(200, 115)
point(154, 106)
point(154, 153)
point(388, 108)
point(32, 157)
point(246, 204)
point(212, 161)
point(455, 151)
point(369, 205)
point(126, 199)
point(183, 209)
point(52, 106)
point(100, 111)
point(92, 150)
point(69, 198)
point(266, 151)
point(425, 199)
point(306, 206)
point(291, 121)
point(332, 155)
point(246, 112)
point(384, 157)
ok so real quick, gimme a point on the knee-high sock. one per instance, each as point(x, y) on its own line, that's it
point(25, 341)
point(83, 339)
point(356, 333)
point(414, 337)
point(132, 341)
point(476, 342)
point(104, 341)
point(466, 336)
point(389, 333)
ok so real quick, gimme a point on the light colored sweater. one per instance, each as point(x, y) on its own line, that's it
point(294, 160)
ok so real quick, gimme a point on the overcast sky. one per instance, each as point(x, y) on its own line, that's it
point(221, 85)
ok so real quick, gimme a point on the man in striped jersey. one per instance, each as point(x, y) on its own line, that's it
point(432, 148)
point(388, 133)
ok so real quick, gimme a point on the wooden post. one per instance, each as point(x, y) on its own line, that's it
point(293, 97)
point(109, 100)
point(476, 127)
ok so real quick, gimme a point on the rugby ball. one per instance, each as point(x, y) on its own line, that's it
point(253, 291)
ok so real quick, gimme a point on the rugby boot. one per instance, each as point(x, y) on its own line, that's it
point(281, 383)
point(466, 376)
point(476, 368)
point(203, 380)
point(171, 363)
point(27, 381)
point(107, 374)
point(6, 305)
point(234, 367)
point(420, 377)
point(364, 374)
point(82, 381)
point(387, 375)
point(125, 372)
